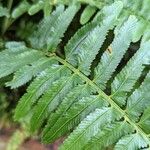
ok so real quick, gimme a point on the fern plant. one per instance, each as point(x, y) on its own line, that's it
point(139, 9)
point(69, 95)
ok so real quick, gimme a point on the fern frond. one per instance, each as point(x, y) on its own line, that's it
point(37, 88)
point(39, 38)
point(93, 40)
point(140, 9)
point(109, 135)
point(36, 7)
point(49, 32)
point(125, 80)
point(51, 99)
point(20, 9)
point(133, 141)
point(87, 14)
point(73, 96)
point(110, 60)
point(145, 121)
point(57, 32)
point(71, 49)
point(64, 97)
point(14, 46)
point(72, 117)
point(11, 63)
point(12, 49)
point(32, 8)
point(26, 73)
point(88, 128)
point(139, 100)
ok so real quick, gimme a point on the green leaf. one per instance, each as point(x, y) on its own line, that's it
point(139, 30)
point(126, 79)
point(20, 9)
point(87, 13)
point(132, 141)
point(25, 74)
point(139, 100)
point(52, 28)
point(51, 99)
point(71, 49)
point(40, 36)
point(60, 26)
point(11, 62)
point(93, 40)
point(73, 96)
point(110, 59)
point(37, 88)
point(12, 49)
point(145, 120)
point(109, 135)
point(78, 105)
point(36, 7)
point(72, 117)
point(88, 128)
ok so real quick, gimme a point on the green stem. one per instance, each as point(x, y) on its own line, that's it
point(7, 21)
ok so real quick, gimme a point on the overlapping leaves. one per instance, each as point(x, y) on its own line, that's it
point(66, 98)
